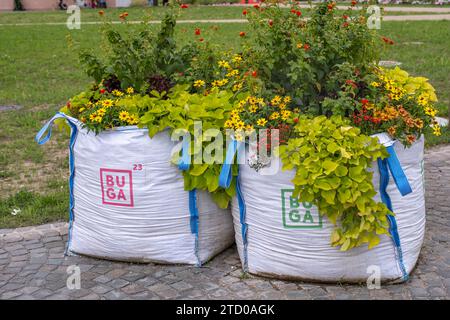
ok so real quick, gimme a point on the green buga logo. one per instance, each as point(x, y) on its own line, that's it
point(298, 215)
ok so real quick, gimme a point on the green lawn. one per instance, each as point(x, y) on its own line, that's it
point(40, 72)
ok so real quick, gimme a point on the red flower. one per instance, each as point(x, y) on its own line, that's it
point(293, 11)
point(351, 83)
point(242, 34)
point(101, 12)
point(364, 101)
point(298, 13)
point(201, 39)
point(254, 74)
point(184, 6)
point(345, 17)
point(345, 24)
point(256, 6)
point(366, 118)
point(270, 22)
point(244, 12)
point(354, 3)
point(387, 40)
point(68, 104)
point(295, 120)
point(306, 47)
point(197, 31)
point(102, 91)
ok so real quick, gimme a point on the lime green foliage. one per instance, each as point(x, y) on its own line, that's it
point(331, 159)
point(180, 111)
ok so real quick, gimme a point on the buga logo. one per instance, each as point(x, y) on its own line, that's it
point(298, 215)
point(117, 187)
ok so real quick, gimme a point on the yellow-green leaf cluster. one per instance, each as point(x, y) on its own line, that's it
point(331, 160)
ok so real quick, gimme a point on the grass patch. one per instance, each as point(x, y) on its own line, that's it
point(34, 208)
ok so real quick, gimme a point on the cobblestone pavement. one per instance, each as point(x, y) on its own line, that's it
point(32, 265)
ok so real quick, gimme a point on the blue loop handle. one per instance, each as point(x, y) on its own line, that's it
point(397, 172)
point(225, 176)
point(185, 161)
point(384, 166)
point(40, 138)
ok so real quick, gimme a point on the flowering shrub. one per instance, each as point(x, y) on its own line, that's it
point(400, 105)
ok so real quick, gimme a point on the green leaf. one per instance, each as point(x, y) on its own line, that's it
point(198, 169)
point(329, 166)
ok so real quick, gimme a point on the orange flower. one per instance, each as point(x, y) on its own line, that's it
point(242, 34)
point(101, 12)
point(410, 138)
point(391, 131)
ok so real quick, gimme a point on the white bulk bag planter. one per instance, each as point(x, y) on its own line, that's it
point(127, 201)
point(279, 237)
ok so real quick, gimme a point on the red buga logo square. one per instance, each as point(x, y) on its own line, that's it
point(117, 187)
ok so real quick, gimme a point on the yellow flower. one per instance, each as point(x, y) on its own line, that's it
point(375, 84)
point(101, 112)
point(285, 114)
point(107, 103)
point(81, 109)
point(199, 83)
point(117, 93)
point(223, 82)
point(261, 122)
point(228, 124)
point(239, 125)
point(274, 116)
point(437, 130)
point(253, 108)
point(287, 100)
point(252, 100)
point(215, 83)
point(238, 136)
point(98, 119)
point(232, 73)
point(123, 115)
point(130, 90)
point(276, 100)
point(89, 105)
point(237, 58)
point(224, 64)
point(133, 119)
point(282, 106)
point(237, 87)
point(92, 116)
point(299, 45)
point(249, 129)
point(430, 111)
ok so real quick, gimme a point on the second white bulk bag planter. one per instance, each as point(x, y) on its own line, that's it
point(279, 237)
point(127, 201)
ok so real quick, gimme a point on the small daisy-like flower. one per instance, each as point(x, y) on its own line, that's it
point(287, 99)
point(274, 116)
point(276, 100)
point(101, 112)
point(237, 58)
point(123, 115)
point(253, 108)
point(261, 122)
point(133, 119)
point(228, 124)
point(107, 103)
point(130, 90)
point(224, 64)
point(199, 83)
point(117, 93)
